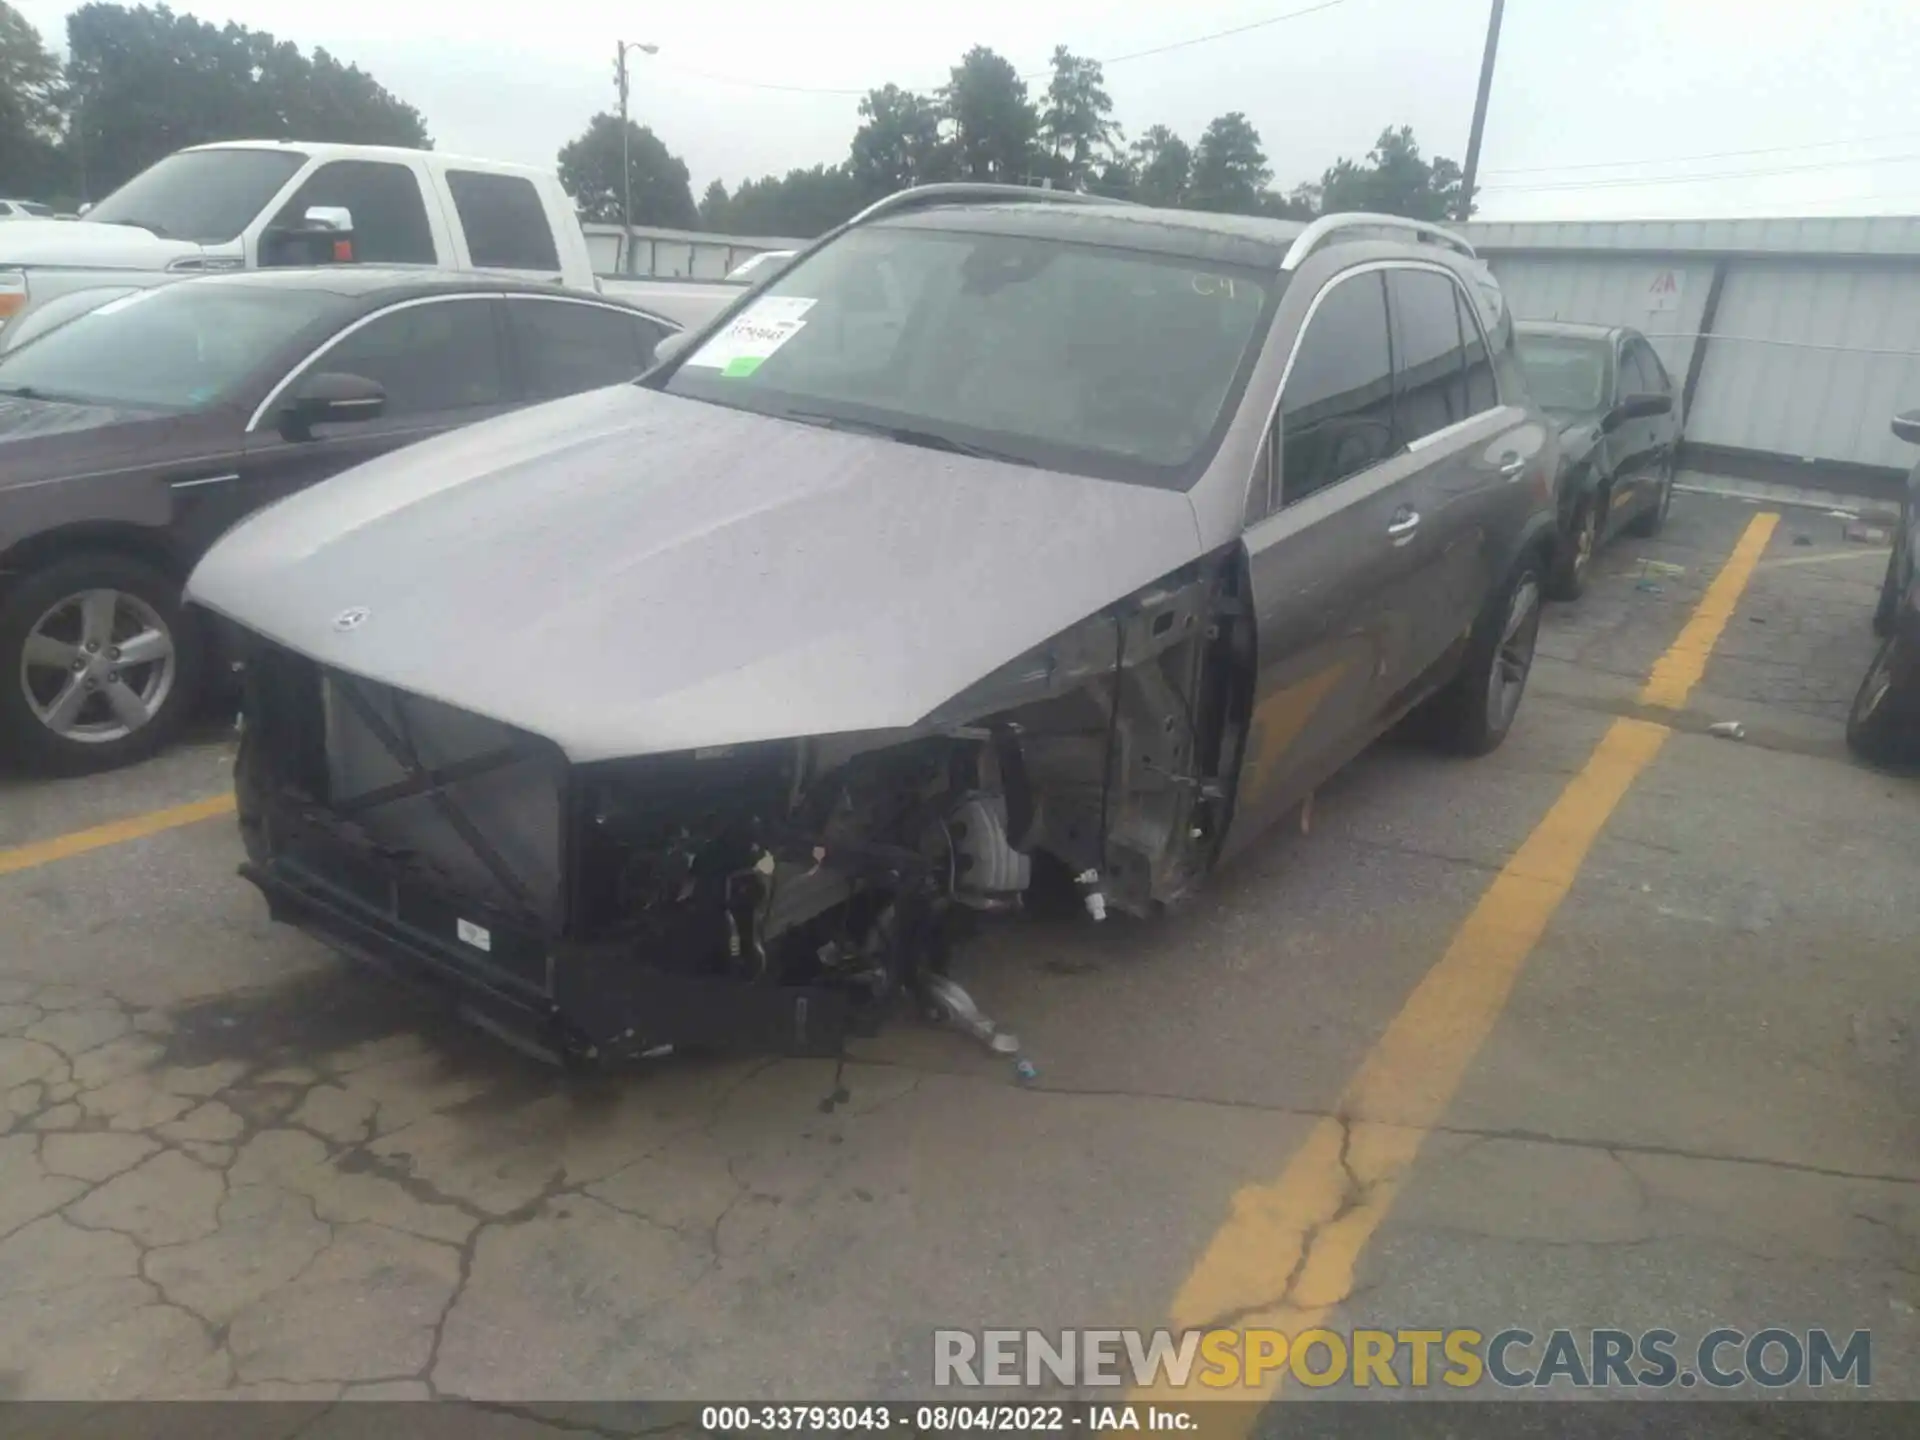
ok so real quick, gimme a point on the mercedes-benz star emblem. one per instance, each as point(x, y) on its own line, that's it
point(351, 619)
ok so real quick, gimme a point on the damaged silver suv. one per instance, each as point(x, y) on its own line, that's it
point(1005, 535)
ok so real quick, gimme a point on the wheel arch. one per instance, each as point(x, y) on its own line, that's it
point(116, 537)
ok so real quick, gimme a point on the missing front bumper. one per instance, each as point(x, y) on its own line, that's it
point(587, 1005)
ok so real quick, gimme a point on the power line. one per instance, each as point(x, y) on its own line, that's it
point(1024, 75)
point(1717, 175)
point(1705, 155)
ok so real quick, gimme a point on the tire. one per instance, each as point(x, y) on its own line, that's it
point(1892, 586)
point(46, 725)
point(1573, 558)
point(1465, 718)
point(1650, 521)
point(1877, 731)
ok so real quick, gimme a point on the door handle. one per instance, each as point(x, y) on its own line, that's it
point(1512, 465)
point(1405, 522)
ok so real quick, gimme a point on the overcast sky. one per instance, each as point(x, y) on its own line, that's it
point(1782, 107)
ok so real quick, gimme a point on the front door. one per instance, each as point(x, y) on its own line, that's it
point(1326, 554)
point(441, 364)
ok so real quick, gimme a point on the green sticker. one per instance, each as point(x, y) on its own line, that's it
point(740, 365)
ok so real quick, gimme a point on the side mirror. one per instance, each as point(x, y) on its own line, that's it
point(670, 346)
point(1639, 407)
point(1907, 427)
point(84, 208)
point(330, 398)
point(322, 236)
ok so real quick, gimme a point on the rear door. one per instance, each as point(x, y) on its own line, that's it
point(1321, 550)
point(442, 363)
point(562, 346)
point(1465, 488)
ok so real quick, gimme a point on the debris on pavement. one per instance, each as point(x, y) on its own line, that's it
point(1025, 1072)
point(1651, 588)
point(1803, 539)
point(1728, 730)
point(1861, 533)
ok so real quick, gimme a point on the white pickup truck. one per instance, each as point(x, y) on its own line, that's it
point(254, 203)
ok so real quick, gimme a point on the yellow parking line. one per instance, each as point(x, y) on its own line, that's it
point(115, 832)
point(1287, 1252)
point(1676, 673)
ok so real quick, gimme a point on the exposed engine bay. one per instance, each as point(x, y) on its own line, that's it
point(774, 895)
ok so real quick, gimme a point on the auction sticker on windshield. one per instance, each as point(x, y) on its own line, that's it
point(766, 325)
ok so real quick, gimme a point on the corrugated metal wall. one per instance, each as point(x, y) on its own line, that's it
point(1812, 362)
point(1816, 342)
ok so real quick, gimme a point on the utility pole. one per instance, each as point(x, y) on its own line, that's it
point(621, 47)
point(1480, 111)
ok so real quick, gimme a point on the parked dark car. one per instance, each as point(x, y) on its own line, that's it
point(1002, 533)
point(1883, 726)
point(132, 436)
point(1619, 422)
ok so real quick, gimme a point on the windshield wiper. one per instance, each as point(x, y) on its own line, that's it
point(905, 435)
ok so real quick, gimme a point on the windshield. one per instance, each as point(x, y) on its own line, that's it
point(1078, 357)
point(179, 347)
point(57, 312)
point(1565, 372)
point(207, 196)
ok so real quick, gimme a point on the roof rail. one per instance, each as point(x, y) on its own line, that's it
point(1310, 238)
point(963, 192)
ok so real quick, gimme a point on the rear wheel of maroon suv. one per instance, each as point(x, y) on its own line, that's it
point(99, 665)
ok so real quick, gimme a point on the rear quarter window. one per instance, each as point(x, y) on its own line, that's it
point(505, 223)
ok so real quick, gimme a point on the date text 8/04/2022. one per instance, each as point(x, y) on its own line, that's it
point(1081, 1417)
point(1217, 1364)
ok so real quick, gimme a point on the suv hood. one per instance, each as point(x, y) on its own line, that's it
point(626, 572)
point(86, 242)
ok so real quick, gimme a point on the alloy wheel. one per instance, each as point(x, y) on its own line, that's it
point(97, 666)
point(1513, 656)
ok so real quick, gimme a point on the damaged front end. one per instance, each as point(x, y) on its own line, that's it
point(774, 896)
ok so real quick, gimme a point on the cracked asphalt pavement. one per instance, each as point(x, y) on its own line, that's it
point(232, 1165)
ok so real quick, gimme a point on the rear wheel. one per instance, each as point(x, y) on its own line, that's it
point(1876, 731)
point(99, 664)
point(1473, 714)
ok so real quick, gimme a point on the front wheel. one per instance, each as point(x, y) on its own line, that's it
point(99, 664)
point(1653, 519)
point(1892, 586)
point(1876, 729)
point(1473, 714)
point(1573, 560)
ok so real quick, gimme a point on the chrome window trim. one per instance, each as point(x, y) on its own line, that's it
point(1370, 267)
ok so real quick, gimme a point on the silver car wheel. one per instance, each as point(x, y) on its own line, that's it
point(1513, 656)
point(98, 666)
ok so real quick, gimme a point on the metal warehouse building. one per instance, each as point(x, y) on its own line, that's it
point(1798, 339)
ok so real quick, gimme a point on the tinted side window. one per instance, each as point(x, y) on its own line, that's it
point(505, 222)
point(1427, 360)
point(389, 217)
point(429, 358)
point(565, 347)
point(1337, 411)
point(1483, 391)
